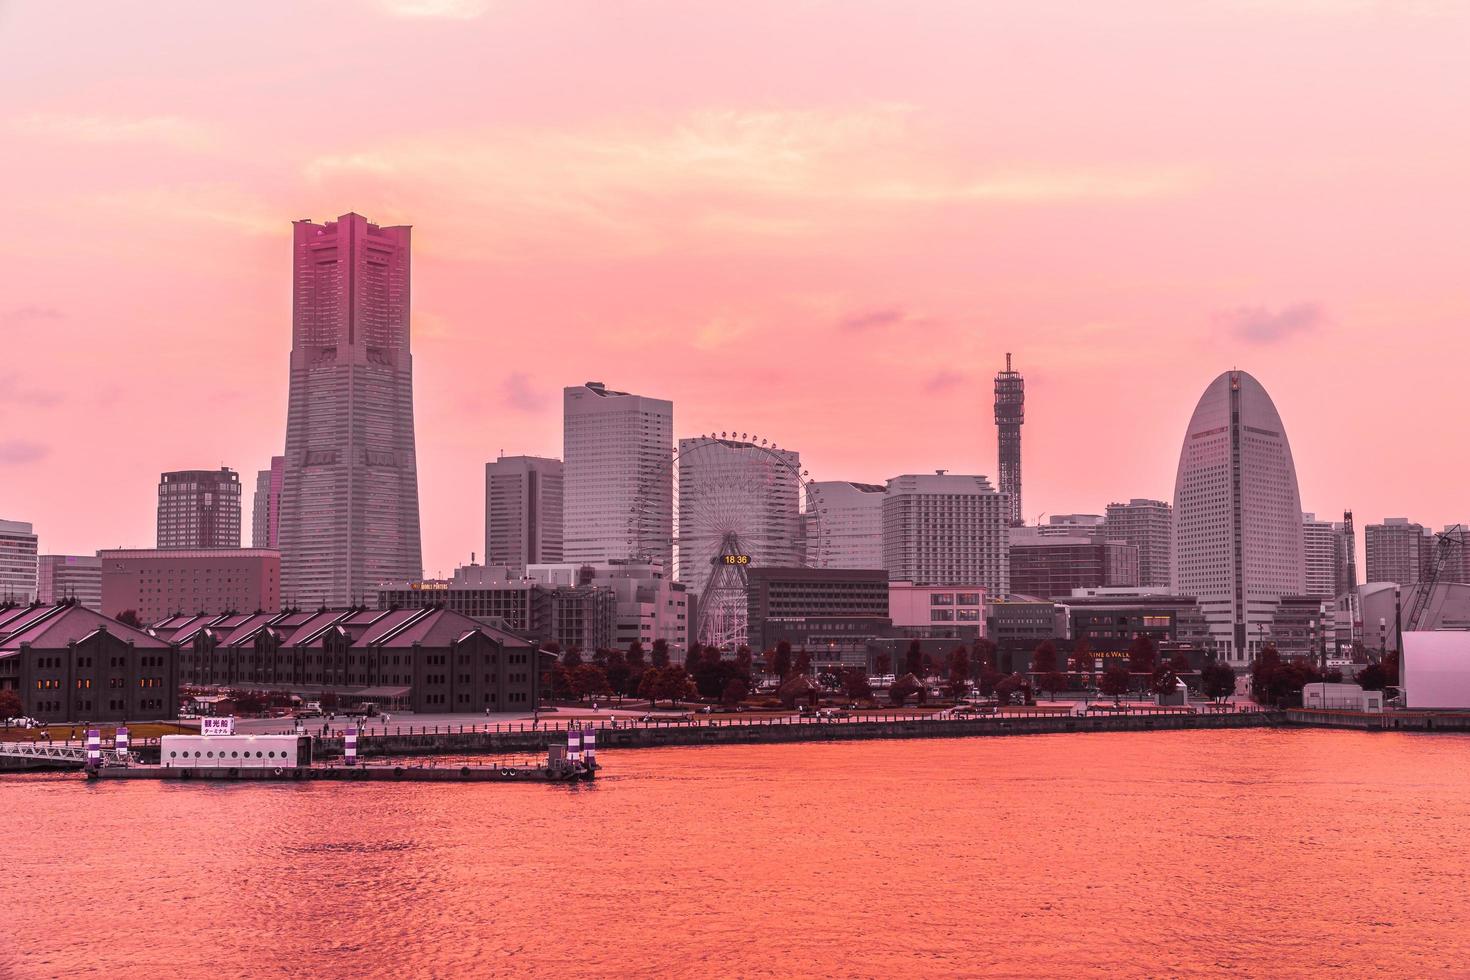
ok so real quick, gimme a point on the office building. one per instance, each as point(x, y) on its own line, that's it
point(946, 529)
point(1046, 565)
point(569, 615)
point(1109, 620)
point(1237, 515)
point(736, 498)
point(199, 509)
point(650, 606)
point(523, 512)
point(265, 514)
point(618, 477)
point(1148, 525)
point(69, 663)
point(832, 613)
point(17, 562)
point(849, 533)
point(1397, 550)
point(157, 583)
point(1320, 553)
point(76, 577)
point(349, 497)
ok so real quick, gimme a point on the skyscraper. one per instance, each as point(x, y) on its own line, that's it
point(1237, 515)
point(1010, 413)
point(943, 529)
point(618, 480)
point(349, 500)
point(265, 512)
point(199, 509)
point(1345, 554)
point(17, 562)
point(850, 533)
point(523, 511)
point(1148, 526)
point(1319, 549)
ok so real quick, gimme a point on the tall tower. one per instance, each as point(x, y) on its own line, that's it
point(349, 499)
point(1010, 412)
point(1238, 539)
point(523, 511)
point(616, 457)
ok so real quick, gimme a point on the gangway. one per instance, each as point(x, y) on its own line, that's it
point(58, 753)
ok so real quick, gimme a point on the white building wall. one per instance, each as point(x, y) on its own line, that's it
point(18, 563)
point(1238, 543)
point(942, 529)
point(850, 529)
point(617, 450)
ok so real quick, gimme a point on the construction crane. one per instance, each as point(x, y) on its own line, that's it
point(1445, 545)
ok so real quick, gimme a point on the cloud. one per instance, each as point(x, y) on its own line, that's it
point(517, 394)
point(21, 451)
point(887, 316)
point(1259, 325)
point(943, 381)
point(435, 9)
point(30, 314)
point(173, 131)
point(12, 392)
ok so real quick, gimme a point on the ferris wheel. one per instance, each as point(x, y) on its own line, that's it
point(739, 502)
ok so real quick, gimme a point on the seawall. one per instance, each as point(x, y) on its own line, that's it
point(1388, 721)
point(805, 730)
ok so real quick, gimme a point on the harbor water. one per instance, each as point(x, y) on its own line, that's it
point(1248, 853)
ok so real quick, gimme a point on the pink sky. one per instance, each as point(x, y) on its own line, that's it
point(824, 222)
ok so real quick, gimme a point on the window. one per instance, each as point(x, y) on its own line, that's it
point(941, 599)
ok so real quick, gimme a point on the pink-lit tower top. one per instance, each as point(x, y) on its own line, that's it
point(349, 501)
point(1010, 413)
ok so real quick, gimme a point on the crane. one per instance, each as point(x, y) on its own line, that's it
point(1445, 545)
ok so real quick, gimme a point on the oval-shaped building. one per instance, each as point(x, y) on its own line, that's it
point(1237, 515)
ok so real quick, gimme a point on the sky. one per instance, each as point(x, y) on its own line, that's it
point(822, 222)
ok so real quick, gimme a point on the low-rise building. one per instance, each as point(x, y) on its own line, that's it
point(941, 611)
point(832, 613)
point(69, 663)
point(1051, 561)
point(157, 583)
point(649, 605)
point(429, 659)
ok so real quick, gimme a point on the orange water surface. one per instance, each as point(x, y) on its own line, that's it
point(1240, 853)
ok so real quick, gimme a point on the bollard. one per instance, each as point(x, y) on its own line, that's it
point(120, 742)
point(94, 748)
point(349, 743)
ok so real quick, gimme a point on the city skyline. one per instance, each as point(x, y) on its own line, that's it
point(881, 247)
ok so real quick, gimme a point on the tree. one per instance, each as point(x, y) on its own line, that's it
point(984, 656)
point(129, 617)
point(803, 663)
point(635, 655)
point(1083, 662)
point(1391, 668)
point(989, 677)
point(1278, 682)
point(1044, 660)
point(692, 658)
point(1179, 662)
point(743, 660)
point(11, 705)
point(1052, 681)
point(651, 686)
point(599, 657)
point(1164, 680)
point(1142, 654)
point(1217, 681)
point(572, 659)
point(906, 687)
point(959, 670)
point(1013, 689)
point(882, 664)
point(736, 690)
point(781, 661)
point(588, 679)
point(660, 655)
point(913, 660)
point(1116, 681)
point(618, 671)
point(1371, 678)
point(674, 683)
point(855, 683)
